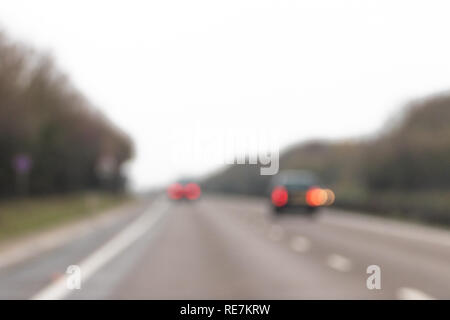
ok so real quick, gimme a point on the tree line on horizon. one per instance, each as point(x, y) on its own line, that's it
point(402, 170)
point(52, 139)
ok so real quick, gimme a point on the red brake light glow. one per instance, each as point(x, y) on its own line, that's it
point(279, 196)
point(192, 191)
point(175, 191)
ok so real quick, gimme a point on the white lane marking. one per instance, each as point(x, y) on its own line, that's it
point(36, 244)
point(406, 293)
point(276, 233)
point(339, 263)
point(388, 227)
point(100, 257)
point(300, 244)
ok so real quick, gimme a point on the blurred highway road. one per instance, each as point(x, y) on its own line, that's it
point(233, 248)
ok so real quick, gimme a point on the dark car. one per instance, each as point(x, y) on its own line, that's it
point(298, 188)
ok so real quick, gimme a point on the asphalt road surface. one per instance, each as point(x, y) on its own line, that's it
point(233, 248)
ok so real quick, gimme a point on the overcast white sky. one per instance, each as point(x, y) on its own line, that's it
point(171, 72)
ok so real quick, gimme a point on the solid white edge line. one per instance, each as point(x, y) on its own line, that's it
point(100, 257)
point(389, 227)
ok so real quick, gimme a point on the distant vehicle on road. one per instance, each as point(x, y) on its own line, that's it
point(298, 188)
point(184, 189)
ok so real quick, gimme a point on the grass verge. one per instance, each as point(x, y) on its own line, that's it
point(19, 217)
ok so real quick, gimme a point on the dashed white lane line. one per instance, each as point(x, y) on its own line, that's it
point(406, 293)
point(339, 263)
point(300, 244)
point(276, 233)
point(103, 255)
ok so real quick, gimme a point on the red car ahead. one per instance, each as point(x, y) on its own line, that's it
point(184, 190)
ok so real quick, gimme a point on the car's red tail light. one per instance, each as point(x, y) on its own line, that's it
point(279, 196)
point(175, 191)
point(192, 191)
